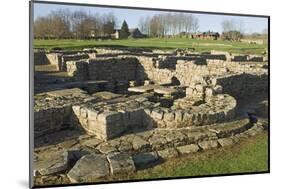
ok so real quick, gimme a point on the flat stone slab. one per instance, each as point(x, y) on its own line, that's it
point(226, 142)
point(121, 163)
point(51, 161)
point(187, 149)
point(92, 143)
point(145, 159)
point(66, 92)
point(106, 148)
point(209, 144)
point(106, 95)
point(165, 91)
point(143, 89)
point(89, 168)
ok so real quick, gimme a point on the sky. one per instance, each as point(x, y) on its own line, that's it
point(206, 21)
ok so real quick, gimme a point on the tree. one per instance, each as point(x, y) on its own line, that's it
point(141, 25)
point(163, 25)
point(232, 30)
point(42, 28)
point(233, 25)
point(109, 24)
point(124, 32)
point(232, 35)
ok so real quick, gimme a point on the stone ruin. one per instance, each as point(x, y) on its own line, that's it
point(119, 111)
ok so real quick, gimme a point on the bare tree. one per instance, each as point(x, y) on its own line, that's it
point(233, 25)
point(42, 28)
point(195, 24)
point(161, 25)
point(141, 25)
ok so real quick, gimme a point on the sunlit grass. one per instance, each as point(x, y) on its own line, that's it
point(162, 43)
point(250, 155)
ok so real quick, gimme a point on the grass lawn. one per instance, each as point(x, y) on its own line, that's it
point(250, 155)
point(170, 43)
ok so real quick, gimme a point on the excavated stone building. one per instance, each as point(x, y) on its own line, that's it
point(113, 112)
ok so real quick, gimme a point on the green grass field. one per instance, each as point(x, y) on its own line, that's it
point(156, 43)
point(250, 155)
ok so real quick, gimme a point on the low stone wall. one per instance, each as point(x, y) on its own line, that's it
point(53, 110)
point(107, 121)
point(219, 109)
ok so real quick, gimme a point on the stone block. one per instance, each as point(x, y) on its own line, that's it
point(178, 115)
point(218, 89)
point(199, 88)
point(51, 162)
point(214, 81)
point(109, 117)
point(209, 92)
point(92, 115)
point(147, 82)
point(225, 142)
point(188, 118)
point(145, 159)
point(169, 116)
point(132, 83)
point(83, 113)
point(209, 144)
point(168, 153)
point(157, 114)
point(106, 148)
point(140, 144)
point(187, 149)
point(136, 117)
point(89, 169)
point(121, 163)
point(189, 92)
point(76, 110)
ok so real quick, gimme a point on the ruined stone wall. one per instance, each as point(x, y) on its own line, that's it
point(237, 67)
point(52, 119)
point(120, 70)
point(40, 58)
point(78, 70)
point(53, 110)
point(241, 85)
point(188, 72)
point(218, 109)
point(75, 57)
point(148, 69)
point(113, 69)
point(108, 124)
point(55, 59)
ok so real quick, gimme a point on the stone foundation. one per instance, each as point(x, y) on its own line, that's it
point(134, 109)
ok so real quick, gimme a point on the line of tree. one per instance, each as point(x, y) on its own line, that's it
point(168, 24)
point(77, 24)
point(232, 30)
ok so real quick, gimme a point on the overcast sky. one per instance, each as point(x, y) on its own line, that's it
point(206, 21)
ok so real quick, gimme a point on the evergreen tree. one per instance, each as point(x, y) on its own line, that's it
point(124, 32)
